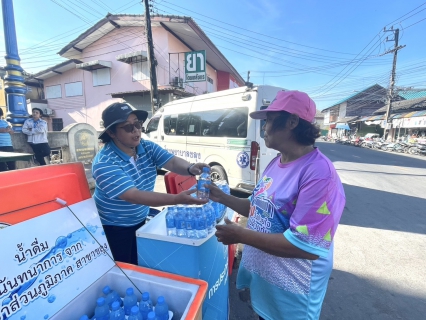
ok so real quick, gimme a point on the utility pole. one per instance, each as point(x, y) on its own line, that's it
point(392, 78)
point(248, 76)
point(155, 101)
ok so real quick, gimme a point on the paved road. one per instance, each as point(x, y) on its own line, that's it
point(380, 246)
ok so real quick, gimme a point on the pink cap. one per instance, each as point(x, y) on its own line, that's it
point(292, 101)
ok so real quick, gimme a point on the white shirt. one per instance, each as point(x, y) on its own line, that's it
point(38, 134)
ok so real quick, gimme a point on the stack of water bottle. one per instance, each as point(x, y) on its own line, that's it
point(112, 307)
point(196, 222)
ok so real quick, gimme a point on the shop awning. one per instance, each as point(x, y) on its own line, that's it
point(93, 65)
point(373, 118)
point(130, 57)
point(342, 126)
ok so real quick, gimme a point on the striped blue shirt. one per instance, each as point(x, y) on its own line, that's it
point(5, 139)
point(115, 174)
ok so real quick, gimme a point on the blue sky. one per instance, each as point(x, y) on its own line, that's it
point(330, 49)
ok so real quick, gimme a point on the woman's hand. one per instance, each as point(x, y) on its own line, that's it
point(185, 198)
point(197, 168)
point(215, 194)
point(228, 233)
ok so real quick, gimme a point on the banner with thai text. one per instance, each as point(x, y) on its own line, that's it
point(49, 260)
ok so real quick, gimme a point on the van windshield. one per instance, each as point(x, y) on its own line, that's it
point(262, 123)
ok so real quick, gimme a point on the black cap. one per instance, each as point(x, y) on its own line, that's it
point(119, 112)
point(39, 110)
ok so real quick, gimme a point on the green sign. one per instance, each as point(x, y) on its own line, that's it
point(195, 66)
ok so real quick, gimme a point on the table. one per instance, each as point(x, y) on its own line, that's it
point(14, 156)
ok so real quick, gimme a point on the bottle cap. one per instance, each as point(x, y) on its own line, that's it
point(129, 291)
point(145, 296)
point(151, 315)
point(134, 310)
point(160, 299)
point(106, 290)
point(115, 306)
point(100, 301)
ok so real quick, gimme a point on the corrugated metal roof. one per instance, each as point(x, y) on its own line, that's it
point(408, 95)
point(351, 96)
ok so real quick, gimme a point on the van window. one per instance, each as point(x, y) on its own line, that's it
point(262, 123)
point(219, 123)
point(152, 125)
point(176, 124)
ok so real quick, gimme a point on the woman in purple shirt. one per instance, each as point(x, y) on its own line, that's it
point(293, 215)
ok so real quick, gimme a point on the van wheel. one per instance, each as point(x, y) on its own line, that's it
point(218, 173)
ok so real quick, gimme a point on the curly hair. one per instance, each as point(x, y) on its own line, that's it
point(106, 138)
point(305, 133)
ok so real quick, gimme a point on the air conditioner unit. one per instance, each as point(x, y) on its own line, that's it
point(177, 82)
point(48, 111)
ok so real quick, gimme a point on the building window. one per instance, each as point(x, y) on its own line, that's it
point(140, 71)
point(210, 86)
point(57, 124)
point(53, 92)
point(73, 89)
point(101, 77)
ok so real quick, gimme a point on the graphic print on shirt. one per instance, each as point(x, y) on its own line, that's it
point(269, 214)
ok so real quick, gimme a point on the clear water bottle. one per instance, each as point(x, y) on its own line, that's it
point(170, 222)
point(102, 309)
point(84, 317)
point(211, 217)
point(203, 192)
point(145, 306)
point(129, 301)
point(152, 316)
point(200, 223)
point(190, 222)
point(135, 314)
point(180, 221)
point(111, 296)
point(161, 309)
point(117, 313)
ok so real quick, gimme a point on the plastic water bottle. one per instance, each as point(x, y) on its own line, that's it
point(170, 221)
point(84, 317)
point(129, 301)
point(200, 223)
point(161, 309)
point(111, 296)
point(145, 306)
point(135, 314)
point(117, 313)
point(203, 192)
point(190, 222)
point(102, 309)
point(180, 222)
point(152, 316)
point(211, 217)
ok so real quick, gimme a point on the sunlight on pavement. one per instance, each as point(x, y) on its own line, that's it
point(396, 269)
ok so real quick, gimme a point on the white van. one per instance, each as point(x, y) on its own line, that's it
point(215, 128)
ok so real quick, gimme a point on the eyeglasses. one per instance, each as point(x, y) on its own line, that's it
point(131, 126)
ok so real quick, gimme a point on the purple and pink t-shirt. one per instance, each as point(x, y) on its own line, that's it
point(304, 200)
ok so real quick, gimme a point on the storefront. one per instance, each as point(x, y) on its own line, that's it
point(412, 124)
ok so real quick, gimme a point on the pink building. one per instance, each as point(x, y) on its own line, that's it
point(108, 63)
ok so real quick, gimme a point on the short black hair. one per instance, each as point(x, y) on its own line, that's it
point(1, 112)
point(106, 137)
point(305, 133)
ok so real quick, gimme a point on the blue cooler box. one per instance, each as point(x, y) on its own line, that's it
point(205, 259)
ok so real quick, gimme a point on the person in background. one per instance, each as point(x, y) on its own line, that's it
point(293, 214)
point(125, 170)
point(36, 130)
point(6, 142)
